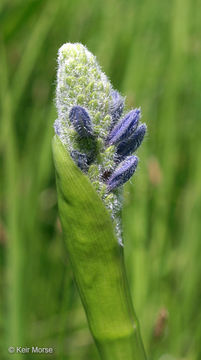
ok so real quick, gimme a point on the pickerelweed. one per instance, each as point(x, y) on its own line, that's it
point(99, 134)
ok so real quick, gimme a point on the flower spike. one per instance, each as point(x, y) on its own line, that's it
point(92, 128)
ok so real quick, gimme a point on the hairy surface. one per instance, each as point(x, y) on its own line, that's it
point(93, 127)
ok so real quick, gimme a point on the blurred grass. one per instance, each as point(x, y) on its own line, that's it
point(151, 51)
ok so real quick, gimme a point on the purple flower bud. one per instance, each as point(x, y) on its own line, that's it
point(123, 172)
point(116, 106)
point(124, 128)
point(128, 146)
point(81, 121)
point(79, 159)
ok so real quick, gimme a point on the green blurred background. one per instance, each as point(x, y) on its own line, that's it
point(151, 50)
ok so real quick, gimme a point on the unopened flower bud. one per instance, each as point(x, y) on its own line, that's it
point(124, 127)
point(123, 172)
point(81, 121)
point(131, 144)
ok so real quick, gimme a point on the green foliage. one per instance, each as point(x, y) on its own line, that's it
point(151, 51)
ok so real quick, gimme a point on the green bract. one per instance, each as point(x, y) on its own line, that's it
point(97, 262)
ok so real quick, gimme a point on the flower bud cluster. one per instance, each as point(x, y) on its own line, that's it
point(93, 127)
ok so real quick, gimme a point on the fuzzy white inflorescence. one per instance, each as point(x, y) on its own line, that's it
point(89, 126)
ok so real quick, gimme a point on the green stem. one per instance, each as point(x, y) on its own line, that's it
point(97, 262)
point(129, 346)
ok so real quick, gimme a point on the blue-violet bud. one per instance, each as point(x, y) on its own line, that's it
point(123, 172)
point(130, 145)
point(81, 121)
point(124, 127)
